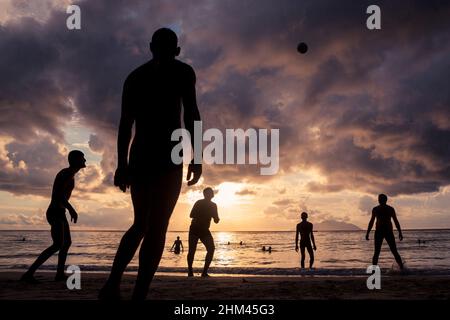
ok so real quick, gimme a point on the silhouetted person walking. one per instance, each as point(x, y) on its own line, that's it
point(203, 211)
point(178, 245)
point(152, 98)
point(56, 216)
point(383, 229)
point(305, 229)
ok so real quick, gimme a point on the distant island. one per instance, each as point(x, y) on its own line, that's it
point(333, 225)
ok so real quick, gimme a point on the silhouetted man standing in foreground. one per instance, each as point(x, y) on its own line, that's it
point(151, 99)
point(305, 229)
point(383, 230)
point(203, 211)
point(56, 217)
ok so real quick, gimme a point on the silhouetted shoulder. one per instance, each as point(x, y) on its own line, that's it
point(182, 68)
point(137, 73)
point(199, 202)
point(390, 208)
point(186, 71)
point(63, 174)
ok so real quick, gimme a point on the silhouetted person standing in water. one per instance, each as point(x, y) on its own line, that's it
point(151, 100)
point(383, 230)
point(178, 245)
point(203, 211)
point(56, 217)
point(305, 229)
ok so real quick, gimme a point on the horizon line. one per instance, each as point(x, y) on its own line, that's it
point(120, 230)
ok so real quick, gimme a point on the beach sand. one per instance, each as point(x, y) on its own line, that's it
point(240, 287)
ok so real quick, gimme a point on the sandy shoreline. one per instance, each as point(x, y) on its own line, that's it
point(218, 288)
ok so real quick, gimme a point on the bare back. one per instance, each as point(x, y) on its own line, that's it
point(383, 213)
point(152, 97)
point(62, 188)
point(305, 229)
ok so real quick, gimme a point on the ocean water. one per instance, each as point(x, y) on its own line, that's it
point(338, 252)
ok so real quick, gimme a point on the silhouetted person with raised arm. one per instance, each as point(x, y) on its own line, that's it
point(56, 216)
point(177, 246)
point(384, 230)
point(305, 229)
point(152, 99)
point(203, 211)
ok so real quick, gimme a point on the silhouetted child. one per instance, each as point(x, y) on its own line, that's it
point(56, 217)
point(178, 245)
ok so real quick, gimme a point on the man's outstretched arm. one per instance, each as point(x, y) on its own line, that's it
point(123, 139)
point(370, 226)
point(191, 114)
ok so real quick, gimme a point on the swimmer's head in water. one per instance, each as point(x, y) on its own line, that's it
point(304, 216)
point(76, 159)
point(208, 193)
point(164, 44)
point(382, 198)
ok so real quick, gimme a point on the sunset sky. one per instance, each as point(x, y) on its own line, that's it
point(362, 112)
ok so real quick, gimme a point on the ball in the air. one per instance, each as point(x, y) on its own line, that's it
point(302, 48)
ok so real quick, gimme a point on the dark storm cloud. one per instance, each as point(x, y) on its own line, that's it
point(368, 109)
point(31, 168)
point(30, 97)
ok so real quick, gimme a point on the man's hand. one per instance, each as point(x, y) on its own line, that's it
point(73, 216)
point(315, 248)
point(400, 236)
point(216, 220)
point(367, 236)
point(195, 169)
point(296, 248)
point(121, 179)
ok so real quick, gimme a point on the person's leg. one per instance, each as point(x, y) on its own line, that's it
point(66, 243)
point(208, 241)
point(390, 239)
point(379, 236)
point(164, 197)
point(311, 255)
point(130, 240)
point(302, 253)
point(193, 241)
point(57, 230)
